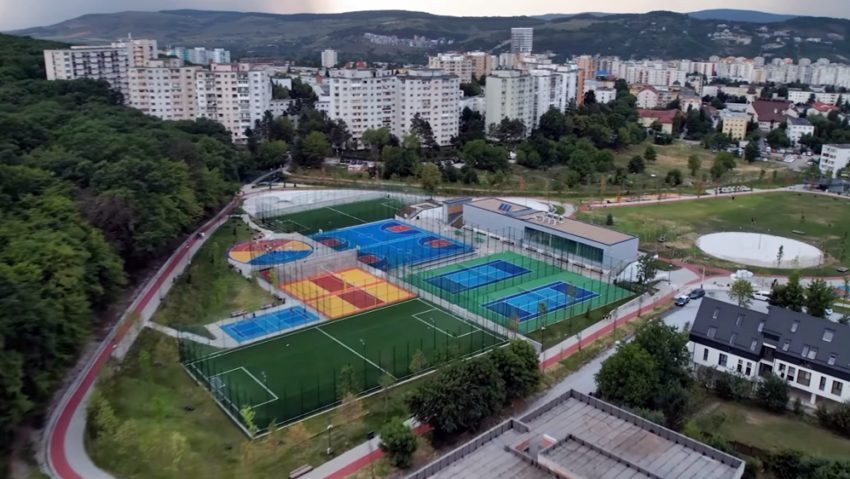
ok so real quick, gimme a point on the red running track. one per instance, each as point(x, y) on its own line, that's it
point(57, 458)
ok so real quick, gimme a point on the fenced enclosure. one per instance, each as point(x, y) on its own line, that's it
point(294, 375)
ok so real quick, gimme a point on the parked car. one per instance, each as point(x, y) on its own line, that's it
point(697, 293)
point(682, 300)
point(761, 295)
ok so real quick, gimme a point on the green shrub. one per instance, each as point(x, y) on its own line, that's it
point(398, 442)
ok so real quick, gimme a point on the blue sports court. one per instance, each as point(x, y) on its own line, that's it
point(268, 323)
point(555, 296)
point(388, 244)
point(477, 276)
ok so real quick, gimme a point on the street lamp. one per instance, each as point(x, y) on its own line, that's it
point(330, 450)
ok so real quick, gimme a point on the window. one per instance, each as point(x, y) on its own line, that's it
point(712, 331)
point(804, 378)
point(740, 367)
point(761, 326)
point(794, 326)
point(805, 351)
point(828, 335)
point(739, 319)
point(786, 345)
point(722, 359)
point(831, 360)
point(837, 386)
point(716, 312)
point(732, 338)
point(749, 368)
point(754, 344)
point(813, 353)
point(822, 384)
point(705, 354)
point(791, 373)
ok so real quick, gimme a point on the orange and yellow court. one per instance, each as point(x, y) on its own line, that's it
point(346, 292)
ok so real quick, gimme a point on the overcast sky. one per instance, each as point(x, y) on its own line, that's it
point(28, 13)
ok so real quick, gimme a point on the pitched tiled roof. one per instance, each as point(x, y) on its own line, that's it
point(663, 116)
point(771, 110)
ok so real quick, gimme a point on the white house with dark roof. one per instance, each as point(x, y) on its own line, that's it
point(812, 354)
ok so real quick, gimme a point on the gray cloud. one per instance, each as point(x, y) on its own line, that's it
point(17, 14)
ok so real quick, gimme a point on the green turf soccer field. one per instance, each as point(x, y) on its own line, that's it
point(335, 217)
point(538, 274)
point(290, 376)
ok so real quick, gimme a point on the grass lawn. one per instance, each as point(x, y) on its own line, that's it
point(159, 411)
point(825, 222)
point(756, 427)
point(536, 274)
point(209, 290)
point(555, 333)
point(334, 217)
point(296, 374)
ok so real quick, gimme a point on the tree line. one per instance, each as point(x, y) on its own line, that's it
point(91, 192)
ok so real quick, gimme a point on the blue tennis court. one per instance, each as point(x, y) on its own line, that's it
point(555, 296)
point(477, 276)
point(388, 244)
point(269, 323)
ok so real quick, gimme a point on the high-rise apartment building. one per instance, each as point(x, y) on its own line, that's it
point(509, 94)
point(369, 99)
point(364, 99)
point(234, 95)
point(165, 89)
point(432, 94)
point(464, 65)
point(200, 55)
point(453, 63)
point(105, 62)
point(522, 40)
point(330, 58)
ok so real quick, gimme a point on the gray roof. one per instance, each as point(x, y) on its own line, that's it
point(575, 435)
point(798, 121)
point(718, 325)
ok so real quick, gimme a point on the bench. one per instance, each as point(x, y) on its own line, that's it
point(300, 471)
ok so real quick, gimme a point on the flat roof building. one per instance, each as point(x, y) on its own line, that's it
point(578, 436)
point(553, 233)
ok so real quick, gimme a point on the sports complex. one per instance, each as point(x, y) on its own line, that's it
point(371, 285)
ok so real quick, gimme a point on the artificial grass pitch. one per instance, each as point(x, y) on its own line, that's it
point(537, 274)
point(293, 375)
point(334, 217)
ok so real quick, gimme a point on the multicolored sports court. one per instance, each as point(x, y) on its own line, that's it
point(347, 292)
point(269, 252)
point(390, 243)
point(507, 287)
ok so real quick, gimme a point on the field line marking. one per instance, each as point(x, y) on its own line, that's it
point(225, 372)
point(262, 386)
point(354, 352)
point(346, 214)
point(430, 325)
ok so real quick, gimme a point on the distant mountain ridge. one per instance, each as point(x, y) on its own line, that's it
point(301, 37)
point(734, 15)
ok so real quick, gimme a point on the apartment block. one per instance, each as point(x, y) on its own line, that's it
point(364, 99)
point(797, 127)
point(330, 58)
point(435, 96)
point(454, 63)
point(234, 95)
point(522, 40)
point(200, 55)
point(734, 124)
point(510, 94)
point(834, 158)
point(165, 89)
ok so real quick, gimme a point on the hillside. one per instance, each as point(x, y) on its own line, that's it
point(302, 36)
point(732, 15)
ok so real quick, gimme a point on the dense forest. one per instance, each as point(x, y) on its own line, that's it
point(91, 192)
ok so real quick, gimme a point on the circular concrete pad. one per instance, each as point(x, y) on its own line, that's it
point(756, 249)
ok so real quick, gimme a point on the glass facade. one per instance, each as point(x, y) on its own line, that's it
point(558, 243)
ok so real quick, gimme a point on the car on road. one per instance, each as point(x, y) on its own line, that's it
point(696, 293)
point(761, 295)
point(682, 300)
